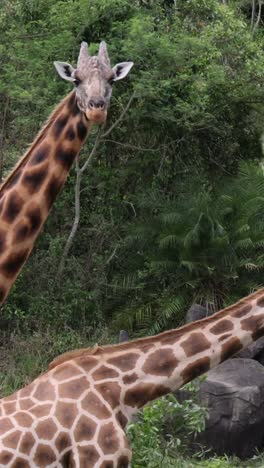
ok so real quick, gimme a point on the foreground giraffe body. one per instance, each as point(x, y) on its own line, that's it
point(75, 414)
point(29, 192)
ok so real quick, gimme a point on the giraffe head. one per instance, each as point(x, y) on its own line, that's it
point(93, 79)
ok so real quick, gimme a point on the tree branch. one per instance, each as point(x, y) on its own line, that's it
point(92, 154)
point(253, 12)
point(259, 16)
point(121, 116)
point(112, 255)
point(132, 206)
point(79, 173)
point(75, 222)
point(2, 136)
point(128, 145)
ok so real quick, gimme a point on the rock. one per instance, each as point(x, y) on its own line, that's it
point(233, 392)
point(254, 351)
point(123, 336)
point(196, 312)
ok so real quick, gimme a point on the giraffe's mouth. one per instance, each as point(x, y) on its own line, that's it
point(96, 115)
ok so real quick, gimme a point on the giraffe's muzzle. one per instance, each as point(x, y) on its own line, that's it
point(96, 111)
point(96, 115)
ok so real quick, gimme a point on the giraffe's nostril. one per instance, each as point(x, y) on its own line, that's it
point(101, 103)
point(96, 103)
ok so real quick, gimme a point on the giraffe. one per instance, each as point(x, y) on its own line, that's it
point(28, 193)
point(75, 414)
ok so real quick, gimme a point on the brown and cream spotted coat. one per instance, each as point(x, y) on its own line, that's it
point(75, 414)
point(29, 192)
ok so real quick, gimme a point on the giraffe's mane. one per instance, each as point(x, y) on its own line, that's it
point(42, 132)
point(109, 349)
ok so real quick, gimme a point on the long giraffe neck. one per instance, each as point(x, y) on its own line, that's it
point(180, 355)
point(29, 192)
point(148, 368)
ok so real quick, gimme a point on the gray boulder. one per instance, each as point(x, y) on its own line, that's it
point(233, 392)
point(254, 351)
point(123, 336)
point(196, 312)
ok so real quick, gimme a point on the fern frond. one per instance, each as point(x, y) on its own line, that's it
point(171, 218)
point(244, 243)
point(168, 241)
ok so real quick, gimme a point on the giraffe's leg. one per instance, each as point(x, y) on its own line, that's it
point(84, 456)
point(124, 461)
point(111, 449)
point(67, 460)
point(124, 454)
point(88, 457)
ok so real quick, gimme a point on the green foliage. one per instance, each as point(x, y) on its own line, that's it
point(25, 356)
point(205, 246)
point(152, 444)
point(172, 209)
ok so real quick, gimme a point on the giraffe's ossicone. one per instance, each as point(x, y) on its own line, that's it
point(75, 414)
point(28, 193)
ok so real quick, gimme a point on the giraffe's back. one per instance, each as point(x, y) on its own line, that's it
point(60, 420)
point(28, 428)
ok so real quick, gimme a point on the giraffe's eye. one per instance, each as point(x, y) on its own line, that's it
point(111, 81)
point(77, 81)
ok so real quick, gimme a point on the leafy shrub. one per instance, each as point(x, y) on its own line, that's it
point(152, 444)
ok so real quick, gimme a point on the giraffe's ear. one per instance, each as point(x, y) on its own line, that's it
point(65, 70)
point(121, 70)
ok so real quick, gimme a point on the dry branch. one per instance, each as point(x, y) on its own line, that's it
point(79, 173)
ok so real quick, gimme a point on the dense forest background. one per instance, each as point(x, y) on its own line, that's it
point(172, 201)
point(172, 204)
